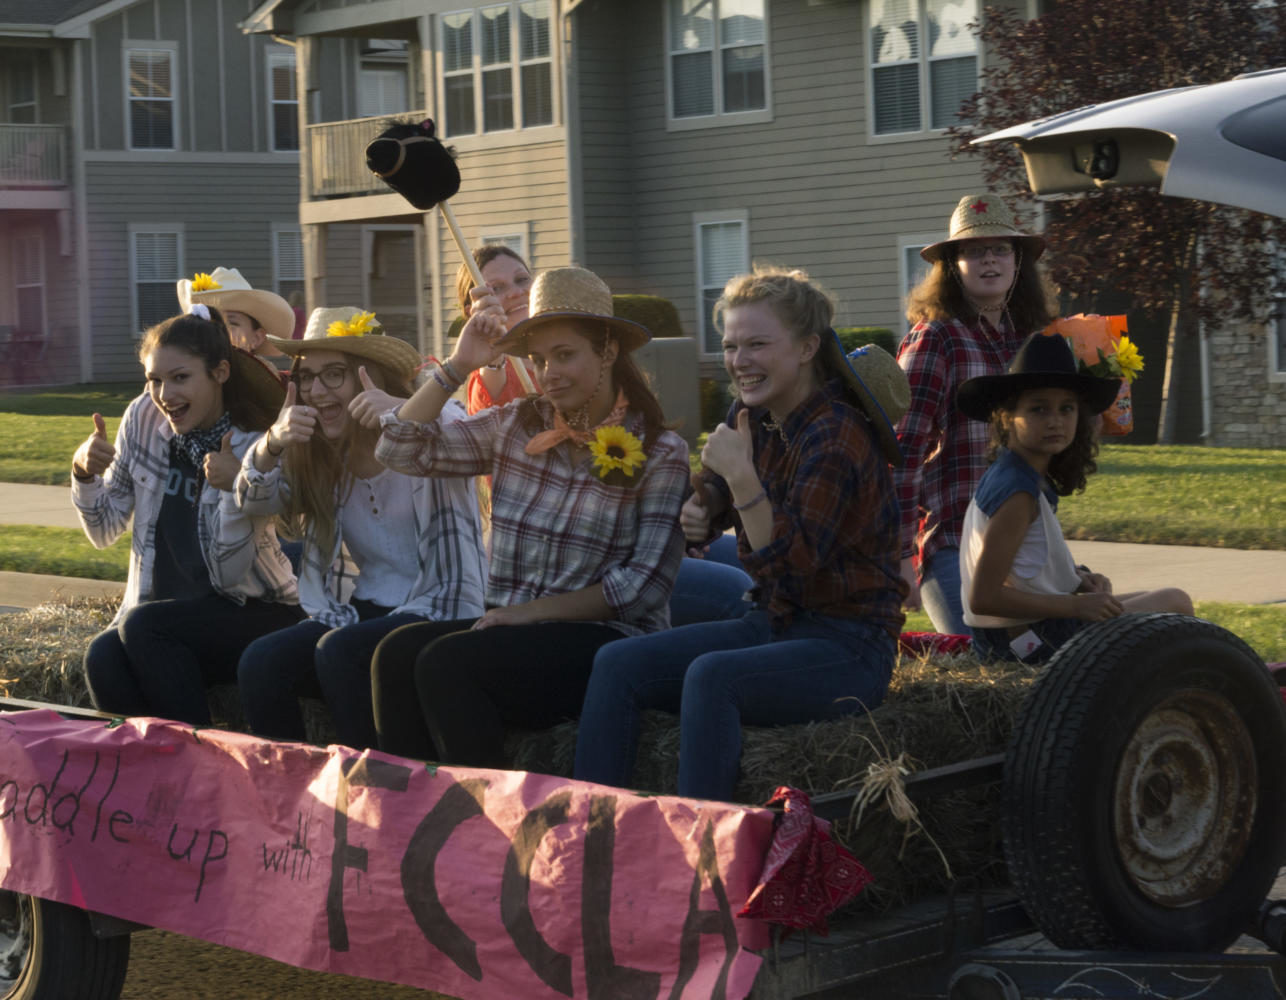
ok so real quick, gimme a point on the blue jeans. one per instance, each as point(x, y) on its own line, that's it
point(719, 676)
point(940, 592)
point(708, 591)
point(312, 658)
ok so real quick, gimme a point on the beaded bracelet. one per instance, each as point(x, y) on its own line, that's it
point(759, 497)
point(441, 378)
point(448, 369)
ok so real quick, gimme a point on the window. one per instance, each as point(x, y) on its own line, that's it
point(924, 63)
point(156, 264)
point(912, 268)
point(152, 111)
point(288, 262)
point(23, 109)
point(382, 80)
point(1277, 366)
point(722, 251)
point(29, 284)
point(717, 57)
point(283, 101)
point(515, 241)
point(498, 68)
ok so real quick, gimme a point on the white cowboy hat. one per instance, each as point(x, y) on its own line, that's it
point(225, 289)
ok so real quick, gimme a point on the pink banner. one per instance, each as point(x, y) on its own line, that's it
point(474, 883)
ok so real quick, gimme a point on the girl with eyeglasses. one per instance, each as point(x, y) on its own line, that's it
point(416, 543)
point(982, 296)
point(205, 579)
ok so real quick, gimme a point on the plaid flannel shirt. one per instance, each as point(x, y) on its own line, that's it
point(557, 527)
point(945, 450)
point(450, 560)
point(834, 541)
point(241, 552)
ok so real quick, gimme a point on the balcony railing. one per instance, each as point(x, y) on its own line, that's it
point(33, 155)
point(337, 156)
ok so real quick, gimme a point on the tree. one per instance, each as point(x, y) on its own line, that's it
point(1195, 261)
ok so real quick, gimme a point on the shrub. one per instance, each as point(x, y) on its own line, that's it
point(657, 314)
point(715, 400)
point(853, 337)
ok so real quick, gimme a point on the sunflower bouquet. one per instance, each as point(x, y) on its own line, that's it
point(1124, 361)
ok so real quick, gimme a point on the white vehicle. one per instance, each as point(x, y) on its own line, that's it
point(1221, 142)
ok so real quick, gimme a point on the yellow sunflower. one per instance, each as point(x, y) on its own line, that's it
point(1129, 359)
point(202, 282)
point(358, 326)
point(616, 448)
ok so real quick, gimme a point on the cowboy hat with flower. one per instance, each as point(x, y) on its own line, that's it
point(1043, 361)
point(225, 289)
point(351, 331)
point(979, 217)
point(572, 293)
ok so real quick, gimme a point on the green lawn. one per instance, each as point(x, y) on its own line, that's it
point(61, 552)
point(40, 430)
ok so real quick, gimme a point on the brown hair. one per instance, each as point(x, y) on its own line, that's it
point(1067, 470)
point(1032, 304)
point(318, 472)
point(482, 256)
point(208, 341)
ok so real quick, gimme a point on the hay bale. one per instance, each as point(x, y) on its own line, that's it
point(940, 710)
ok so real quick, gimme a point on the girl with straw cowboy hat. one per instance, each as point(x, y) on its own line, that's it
point(252, 315)
point(982, 296)
point(1024, 594)
point(801, 468)
point(587, 483)
point(416, 542)
point(205, 579)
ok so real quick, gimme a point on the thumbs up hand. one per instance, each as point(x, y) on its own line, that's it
point(95, 453)
point(295, 423)
point(372, 402)
point(729, 451)
point(221, 467)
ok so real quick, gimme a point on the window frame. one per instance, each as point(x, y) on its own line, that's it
point(516, 63)
point(700, 220)
point(277, 230)
point(924, 77)
point(275, 59)
point(35, 239)
point(34, 103)
point(135, 230)
point(505, 234)
point(172, 50)
point(717, 119)
point(1277, 339)
point(910, 241)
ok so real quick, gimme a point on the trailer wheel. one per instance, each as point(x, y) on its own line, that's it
point(1142, 803)
point(49, 952)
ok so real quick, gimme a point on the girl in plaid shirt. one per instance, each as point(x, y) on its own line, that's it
point(585, 543)
point(205, 579)
point(802, 468)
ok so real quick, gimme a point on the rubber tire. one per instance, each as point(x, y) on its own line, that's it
point(1061, 769)
point(65, 960)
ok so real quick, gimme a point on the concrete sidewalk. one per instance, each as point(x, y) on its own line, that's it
point(1207, 574)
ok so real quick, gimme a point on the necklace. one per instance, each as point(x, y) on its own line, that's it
point(772, 425)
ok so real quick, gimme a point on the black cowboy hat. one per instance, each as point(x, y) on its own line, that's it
point(1042, 361)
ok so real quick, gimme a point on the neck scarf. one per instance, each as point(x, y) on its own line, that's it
point(196, 443)
point(562, 431)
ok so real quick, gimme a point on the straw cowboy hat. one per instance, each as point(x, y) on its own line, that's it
point(351, 331)
point(572, 293)
point(1042, 361)
point(979, 216)
point(225, 289)
point(879, 384)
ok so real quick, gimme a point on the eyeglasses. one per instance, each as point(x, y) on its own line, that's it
point(976, 252)
point(332, 377)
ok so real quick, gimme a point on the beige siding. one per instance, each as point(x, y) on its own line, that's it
point(819, 193)
point(226, 217)
point(518, 188)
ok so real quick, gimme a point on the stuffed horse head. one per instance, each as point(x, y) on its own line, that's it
point(414, 163)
